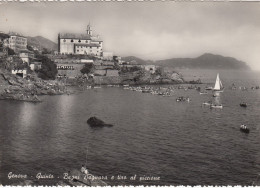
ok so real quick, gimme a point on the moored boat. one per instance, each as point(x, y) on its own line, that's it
point(216, 106)
point(208, 88)
point(207, 103)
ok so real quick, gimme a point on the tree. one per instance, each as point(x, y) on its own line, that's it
point(10, 51)
point(87, 68)
point(45, 51)
point(30, 48)
point(49, 68)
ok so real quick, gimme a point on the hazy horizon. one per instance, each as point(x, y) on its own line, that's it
point(148, 30)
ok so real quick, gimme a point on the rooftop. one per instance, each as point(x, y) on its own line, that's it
point(75, 36)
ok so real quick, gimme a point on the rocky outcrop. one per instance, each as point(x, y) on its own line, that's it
point(13, 87)
point(140, 77)
point(95, 122)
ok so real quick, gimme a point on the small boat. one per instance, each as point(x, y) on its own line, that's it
point(216, 106)
point(208, 88)
point(244, 128)
point(97, 87)
point(203, 93)
point(146, 91)
point(243, 104)
point(207, 103)
point(183, 99)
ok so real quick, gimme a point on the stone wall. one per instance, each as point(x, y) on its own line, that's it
point(104, 80)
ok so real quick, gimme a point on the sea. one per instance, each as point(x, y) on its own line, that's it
point(154, 141)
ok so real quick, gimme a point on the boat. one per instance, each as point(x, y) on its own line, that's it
point(207, 103)
point(218, 87)
point(203, 93)
point(244, 128)
point(243, 104)
point(216, 106)
point(183, 99)
point(208, 88)
point(146, 90)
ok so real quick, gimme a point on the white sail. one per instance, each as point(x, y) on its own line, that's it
point(218, 85)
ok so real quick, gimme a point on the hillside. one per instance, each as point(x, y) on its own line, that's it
point(41, 42)
point(205, 61)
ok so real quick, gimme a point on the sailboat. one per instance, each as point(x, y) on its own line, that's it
point(218, 85)
point(218, 88)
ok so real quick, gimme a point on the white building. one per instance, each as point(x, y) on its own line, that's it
point(17, 42)
point(70, 43)
point(22, 73)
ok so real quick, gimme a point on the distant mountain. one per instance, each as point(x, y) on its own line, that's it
point(41, 42)
point(137, 60)
point(205, 61)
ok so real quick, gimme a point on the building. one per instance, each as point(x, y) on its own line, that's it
point(36, 65)
point(70, 43)
point(17, 42)
point(26, 56)
point(20, 72)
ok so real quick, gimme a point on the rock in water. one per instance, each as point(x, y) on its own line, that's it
point(95, 122)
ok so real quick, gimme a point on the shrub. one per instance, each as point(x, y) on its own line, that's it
point(48, 70)
point(87, 68)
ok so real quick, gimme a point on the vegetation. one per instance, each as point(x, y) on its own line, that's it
point(88, 68)
point(46, 51)
point(10, 51)
point(48, 70)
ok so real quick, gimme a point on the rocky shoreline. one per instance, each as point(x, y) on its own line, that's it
point(13, 87)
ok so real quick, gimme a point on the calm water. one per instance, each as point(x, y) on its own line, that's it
point(182, 143)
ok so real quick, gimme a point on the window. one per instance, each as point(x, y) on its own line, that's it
point(79, 40)
point(72, 40)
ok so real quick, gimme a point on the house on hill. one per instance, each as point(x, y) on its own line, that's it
point(26, 55)
point(17, 42)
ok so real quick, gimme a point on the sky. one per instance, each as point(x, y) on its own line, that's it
point(149, 30)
